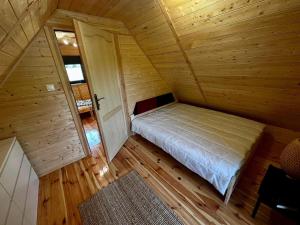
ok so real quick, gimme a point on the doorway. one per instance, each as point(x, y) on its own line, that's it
point(68, 46)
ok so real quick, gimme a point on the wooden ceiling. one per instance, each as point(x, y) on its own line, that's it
point(245, 55)
point(67, 43)
point(20, 20)
point(239, 56)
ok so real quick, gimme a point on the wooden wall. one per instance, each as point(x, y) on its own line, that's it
point(41, 120)
point(81, 91)
point(146, 22)
point(20, 20)
point(68, 50)
point(63, 19)
point(239, 56)
point(142, 81)
point(245, 55)
point(153, 34)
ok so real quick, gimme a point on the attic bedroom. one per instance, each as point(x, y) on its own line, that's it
point(149, 112)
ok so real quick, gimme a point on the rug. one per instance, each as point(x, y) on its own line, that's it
point(127, 201)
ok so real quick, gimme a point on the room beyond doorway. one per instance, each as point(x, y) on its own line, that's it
point(74, 68)
point(92, 133)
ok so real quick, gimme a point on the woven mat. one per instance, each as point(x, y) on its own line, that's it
point(127, 201)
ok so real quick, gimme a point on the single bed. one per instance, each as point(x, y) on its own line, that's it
point(84, 106)
point(213, 144)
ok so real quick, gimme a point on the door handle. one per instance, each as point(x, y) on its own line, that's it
point(97, 100)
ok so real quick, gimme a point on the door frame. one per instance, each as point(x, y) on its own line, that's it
point(120, 78)
point(50, 34)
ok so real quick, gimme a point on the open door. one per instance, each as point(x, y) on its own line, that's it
point(98, 53)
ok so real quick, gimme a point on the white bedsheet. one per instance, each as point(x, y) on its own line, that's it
point(212, 144)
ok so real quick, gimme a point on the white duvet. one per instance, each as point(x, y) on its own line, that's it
point(212, 144)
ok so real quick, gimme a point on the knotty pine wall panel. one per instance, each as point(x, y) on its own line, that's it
point(244, 54)
point(41, 120)
point(63, 18)
point(81, 91)
point(68, 50)
point(142, 81)
point(148, 25)
point(20, 20)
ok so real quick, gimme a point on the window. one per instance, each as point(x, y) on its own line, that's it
point(75, 73)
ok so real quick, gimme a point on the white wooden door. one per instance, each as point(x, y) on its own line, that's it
point(98, 52)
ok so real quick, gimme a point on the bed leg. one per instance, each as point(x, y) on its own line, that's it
point(227, 197)
point(230, 189)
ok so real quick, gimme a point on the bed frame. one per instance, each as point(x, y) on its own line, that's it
point(153, 103)
point(156, 102)
point(238, 175)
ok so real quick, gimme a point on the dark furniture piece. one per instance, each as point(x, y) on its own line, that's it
point(153, 103)
point(279, 192)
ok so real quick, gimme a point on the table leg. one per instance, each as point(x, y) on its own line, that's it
point(256, 207)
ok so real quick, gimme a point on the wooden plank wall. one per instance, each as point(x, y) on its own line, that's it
point(20, 20)
point(245, 55)
point(64, 19)
point(151, 30)
point(40, 119)
point(81, 91)
point(68, 50)
point(239, 56)
point(142, 81)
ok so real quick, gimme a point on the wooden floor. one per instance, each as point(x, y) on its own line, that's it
point(92, 133)
point(193, 199)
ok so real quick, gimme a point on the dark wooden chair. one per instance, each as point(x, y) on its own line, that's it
point(279, 192)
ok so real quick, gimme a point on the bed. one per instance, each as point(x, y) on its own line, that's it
point(212, 144)
point(84, 106)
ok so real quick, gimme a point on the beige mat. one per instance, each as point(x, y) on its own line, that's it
point(127, 201)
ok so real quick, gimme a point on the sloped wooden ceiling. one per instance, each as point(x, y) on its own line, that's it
point(240, 56)
point(146, 22)
point(20, 20)
point(141, 79)
point(245, 55)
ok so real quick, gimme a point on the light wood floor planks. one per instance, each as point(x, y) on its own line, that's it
point(92, 133)
point(192, 198)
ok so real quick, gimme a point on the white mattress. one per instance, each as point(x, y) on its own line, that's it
point(212, 144)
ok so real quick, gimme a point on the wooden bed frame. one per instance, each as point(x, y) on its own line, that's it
point(156, 102)
point(84, 109)
point(238, 175)
point(153, 103)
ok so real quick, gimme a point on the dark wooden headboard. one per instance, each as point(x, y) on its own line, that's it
point(152, 103)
